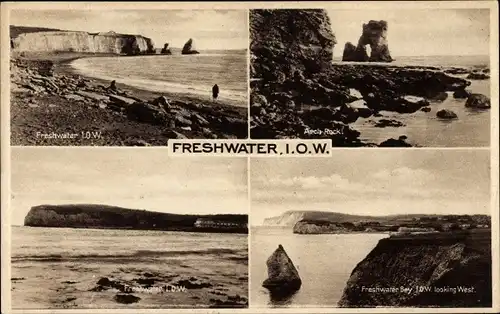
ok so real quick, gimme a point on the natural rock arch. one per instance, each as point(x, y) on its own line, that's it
point(374, 35)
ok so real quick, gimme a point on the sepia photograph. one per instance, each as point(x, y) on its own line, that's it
point(127, 77)
point(134, 229)
point(380, 77)
point(404, 230)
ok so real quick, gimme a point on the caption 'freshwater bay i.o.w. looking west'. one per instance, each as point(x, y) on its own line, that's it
point(165, 74)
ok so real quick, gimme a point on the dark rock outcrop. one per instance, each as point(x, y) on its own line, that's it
point(446, 114)
point(375, 35)
point(478, 76)
point(165, 50)
point(286, 40)
point(479, 101)
point(188, 48)
point(282, 274)
point(400, 142)
point(462, 93)
point(454, 266)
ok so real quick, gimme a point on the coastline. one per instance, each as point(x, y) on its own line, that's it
point(45, 103)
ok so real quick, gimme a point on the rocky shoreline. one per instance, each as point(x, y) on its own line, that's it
point(52, 105)
point(337, 97)
point(297, 91)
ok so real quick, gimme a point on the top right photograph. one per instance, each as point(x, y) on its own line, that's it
point(371, 78)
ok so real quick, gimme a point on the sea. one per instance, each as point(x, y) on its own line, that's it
point(324, 263)
point(180, 74)
point(471, 129)
point(58, 267)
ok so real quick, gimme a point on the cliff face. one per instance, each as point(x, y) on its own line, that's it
point(287, 219)
point(283, 41)
point(318, 227)
point(83, 42)
point(445, 270)
point(103, 216)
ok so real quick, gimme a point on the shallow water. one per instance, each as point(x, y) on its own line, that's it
point(471, 129)
point(186, 74)
point(51, 266)
point(324, 263)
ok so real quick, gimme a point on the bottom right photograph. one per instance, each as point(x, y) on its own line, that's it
point(372, 228)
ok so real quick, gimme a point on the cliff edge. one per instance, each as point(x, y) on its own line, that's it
point(112, 217)
point(77, 41)
point(425, 270)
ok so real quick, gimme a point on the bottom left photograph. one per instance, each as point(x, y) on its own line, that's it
point(127, 228)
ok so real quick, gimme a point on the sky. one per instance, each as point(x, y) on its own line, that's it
point(373, 182)
point(132, 178)
point(210, 29)
point(418, 32)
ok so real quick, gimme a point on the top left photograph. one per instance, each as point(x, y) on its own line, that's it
point(127, 78)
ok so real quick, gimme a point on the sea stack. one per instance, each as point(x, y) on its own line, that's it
point(165, 50)
point(188, 48)
point(375, 35)
point(282, 274)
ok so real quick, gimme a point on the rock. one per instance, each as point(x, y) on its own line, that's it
point(163, 102)
point(199, 119)
point(121, 101)
point(182, 120)
point(275, 50)
point(478, 101)
point(446, 114)
point(426, 109)
point(73, 97)
point(282, 274)
point(126, 298)
point(188, 48)
point(439, 97)
point(382, 123)
point(145, 112)
point(456, 71)
point(165, 50)
point(93, 96)
point(478, 76)
point(175, 135)
point(400, 142)
point(374, 34)
point(462, 93)
point(258, 99)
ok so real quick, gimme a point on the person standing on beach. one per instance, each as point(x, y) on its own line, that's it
point(215, 92)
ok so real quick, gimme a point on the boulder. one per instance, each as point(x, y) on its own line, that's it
point(478, 101)
point(400, 142)
point(126, 298)
point(438, 97)
point(93, 96)
point(144, 112)
point(382, 123)
point(461, 93)
point(446, 114)
point(121, 101)
point(374, 34)
point(162, 102)
point(188, 48)
point(282, 274)
point(426, 109)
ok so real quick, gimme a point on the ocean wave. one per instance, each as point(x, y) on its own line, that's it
point(135, 254)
